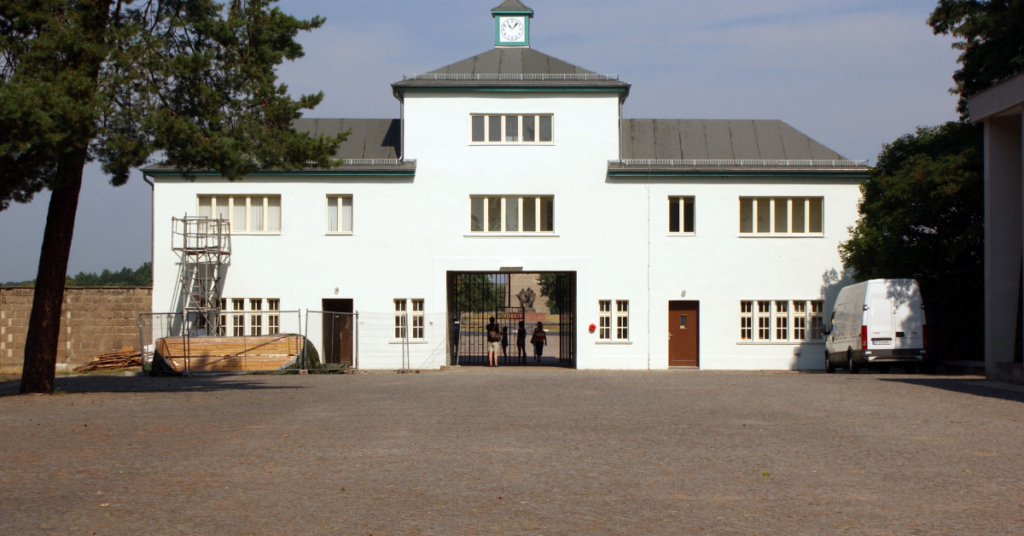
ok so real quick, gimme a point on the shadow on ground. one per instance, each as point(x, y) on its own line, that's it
point(142, 384)
point(969, 386)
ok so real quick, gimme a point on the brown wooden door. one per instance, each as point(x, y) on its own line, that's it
point(338, 332)
point(683, 334)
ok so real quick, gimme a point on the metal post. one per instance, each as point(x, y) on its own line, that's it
point(305, 339)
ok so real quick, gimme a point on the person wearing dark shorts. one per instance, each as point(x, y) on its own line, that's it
point(504, 345)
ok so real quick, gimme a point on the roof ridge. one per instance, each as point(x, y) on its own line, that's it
point(512, 5)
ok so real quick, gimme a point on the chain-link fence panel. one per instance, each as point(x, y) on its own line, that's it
point(331, 341)
point(402, 341)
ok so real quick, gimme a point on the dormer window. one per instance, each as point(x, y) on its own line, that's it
point(512, 129)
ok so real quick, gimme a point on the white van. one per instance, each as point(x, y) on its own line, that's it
point(875, 324)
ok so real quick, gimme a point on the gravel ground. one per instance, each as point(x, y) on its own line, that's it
point(515, 452)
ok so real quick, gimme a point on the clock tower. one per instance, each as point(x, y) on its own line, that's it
point(512, 24)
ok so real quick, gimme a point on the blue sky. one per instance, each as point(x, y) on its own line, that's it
point(853, 74)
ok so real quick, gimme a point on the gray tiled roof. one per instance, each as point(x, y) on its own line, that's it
point(370, 138)
point(701, 139)
point(511, 67)
point(512, 61)
point(511, 5)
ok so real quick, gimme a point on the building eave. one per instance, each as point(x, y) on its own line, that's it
point(407, 169)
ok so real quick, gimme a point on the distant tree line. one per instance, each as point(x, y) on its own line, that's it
point(125, 277)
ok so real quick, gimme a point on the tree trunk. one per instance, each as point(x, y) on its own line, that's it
point(40, 366)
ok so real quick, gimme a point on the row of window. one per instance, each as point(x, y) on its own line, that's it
point(512, 129)
point(782, 321)
point(512, 214)
point(248, 316)
point(247, 213)
point(760, 320)
point(794, 216)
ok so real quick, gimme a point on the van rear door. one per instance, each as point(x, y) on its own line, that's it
point(909, 320)
point(881, 315)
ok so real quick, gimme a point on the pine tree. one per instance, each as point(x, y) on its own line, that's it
point(120, 81)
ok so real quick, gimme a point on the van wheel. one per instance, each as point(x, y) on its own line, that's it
point(830, 368)
point(850, 365)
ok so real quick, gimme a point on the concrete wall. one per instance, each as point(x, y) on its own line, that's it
point(1003, 243)
point(93, 321)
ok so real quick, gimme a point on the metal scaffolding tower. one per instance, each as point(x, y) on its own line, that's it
point(204, 247)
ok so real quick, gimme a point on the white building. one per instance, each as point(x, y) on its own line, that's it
point(683, 242)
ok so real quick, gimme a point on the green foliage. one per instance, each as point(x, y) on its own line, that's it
point(193, 80)
point(992, 45)
point(126, 277)
point(478, 293)
point(922, 217)
point(549, 289)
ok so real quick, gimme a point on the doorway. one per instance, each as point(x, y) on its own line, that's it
point(684, 334)
point(338, 332)
point(518, 302)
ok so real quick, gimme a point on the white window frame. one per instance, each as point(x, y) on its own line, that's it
point(798, 329)
point(273, 316)
point(418, 320)
point(327, 214)
point(504, 119)
point(747, 320)
point(680, 201)
point(816, 321)
point(401, 324)
point(247, 200)
point(222, 329)
point(238, 317)
point(763, 320)
point(604, 320)
point(504, 222)
point(622, 320)
point(772, 231)
point(780, 321)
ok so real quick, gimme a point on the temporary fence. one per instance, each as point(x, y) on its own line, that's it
point(325, 341)
point(331, 340)
point(402, 341)
point(192, 349)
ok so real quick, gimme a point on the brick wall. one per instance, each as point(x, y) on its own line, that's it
point(93, 321)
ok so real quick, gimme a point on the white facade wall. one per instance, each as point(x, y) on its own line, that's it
point(410, 232)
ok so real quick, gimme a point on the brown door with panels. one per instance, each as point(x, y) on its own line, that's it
point(683, 334)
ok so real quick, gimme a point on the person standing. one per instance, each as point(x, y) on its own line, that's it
point(493, 343)
point(521, 343)
point(504, 345)
point(539, 340)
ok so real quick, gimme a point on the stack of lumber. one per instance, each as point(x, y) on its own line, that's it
point(230, 354)
point(124, 359)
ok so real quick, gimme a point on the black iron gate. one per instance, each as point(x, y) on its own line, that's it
point(476, 297)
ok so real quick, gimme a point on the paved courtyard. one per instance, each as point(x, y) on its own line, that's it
point(515, 452)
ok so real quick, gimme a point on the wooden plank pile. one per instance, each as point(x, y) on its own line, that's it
point(126, 358)
point(230, 354)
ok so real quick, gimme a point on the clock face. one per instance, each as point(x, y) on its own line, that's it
point(512, 29)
